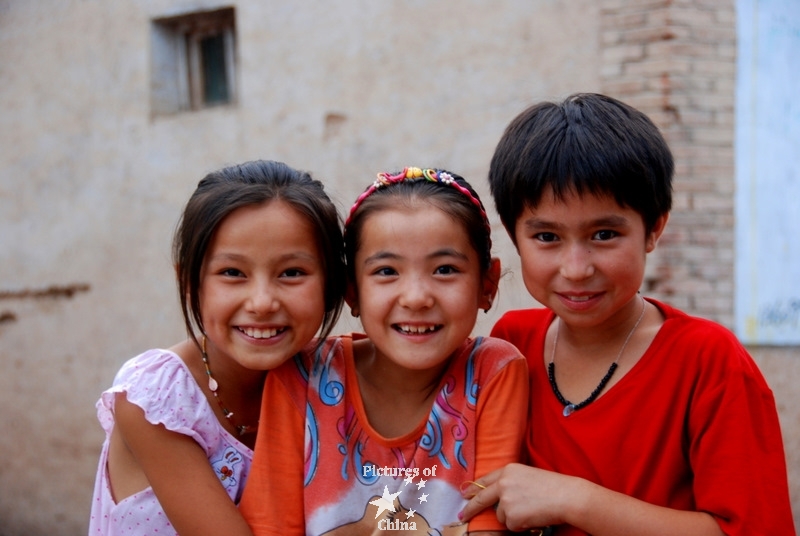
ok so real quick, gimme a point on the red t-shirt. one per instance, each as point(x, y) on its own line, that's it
point(692, 426)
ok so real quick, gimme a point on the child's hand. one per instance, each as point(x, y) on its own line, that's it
point(530, 498)
point(524, 497)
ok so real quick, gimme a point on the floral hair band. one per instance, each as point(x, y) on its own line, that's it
point(414, 173)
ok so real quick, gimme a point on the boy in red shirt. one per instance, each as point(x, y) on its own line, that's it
point(644, 420)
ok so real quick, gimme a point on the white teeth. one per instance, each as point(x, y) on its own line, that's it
point(580, 298)
point(416, 329)
point(260, 333)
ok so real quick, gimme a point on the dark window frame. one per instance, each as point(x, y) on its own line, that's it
point(194, 61)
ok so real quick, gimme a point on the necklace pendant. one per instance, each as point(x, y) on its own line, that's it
point(568, 409)
point(241, 429)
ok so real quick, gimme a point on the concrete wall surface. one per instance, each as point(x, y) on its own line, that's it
point(92, 181)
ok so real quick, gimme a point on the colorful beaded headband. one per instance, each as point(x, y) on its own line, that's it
point(412, 174)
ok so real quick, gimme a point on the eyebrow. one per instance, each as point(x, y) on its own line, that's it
point(535, 224)
point(234, 257)
point(439, 253)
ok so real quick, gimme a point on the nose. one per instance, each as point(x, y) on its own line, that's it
point(577, 262)
point(263, 298)
point(415, 294)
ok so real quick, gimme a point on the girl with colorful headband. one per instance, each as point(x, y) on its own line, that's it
point(380, 431)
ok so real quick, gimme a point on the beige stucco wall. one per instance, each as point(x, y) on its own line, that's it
point(781, 368)
point(91, 184)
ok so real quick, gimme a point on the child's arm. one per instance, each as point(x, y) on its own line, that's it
point(272, 502)
point(528, 497)
point(502, 420)
point(178, 470)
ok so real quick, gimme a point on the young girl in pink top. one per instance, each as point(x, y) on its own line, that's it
point(258, 256)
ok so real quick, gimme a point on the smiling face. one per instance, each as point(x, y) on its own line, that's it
point(418, 284)
point(584, 257)
point(261, 286)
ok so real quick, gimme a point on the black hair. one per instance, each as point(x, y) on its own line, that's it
point(589, 143)
point(223, 191)
point(441, 195)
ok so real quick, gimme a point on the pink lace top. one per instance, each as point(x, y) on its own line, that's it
point(159, 382)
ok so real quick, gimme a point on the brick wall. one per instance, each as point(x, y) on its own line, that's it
point(676, 61)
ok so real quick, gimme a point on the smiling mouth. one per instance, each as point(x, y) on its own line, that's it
point(416, 330)
point(258, 333)
point(579, 299)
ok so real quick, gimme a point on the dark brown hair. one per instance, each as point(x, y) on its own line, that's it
point(252, 183)
point(587, 143)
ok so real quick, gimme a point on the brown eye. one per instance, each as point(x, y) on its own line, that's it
point(605, 234)
point(546, 237)
point(385, 271)
point(446, 270)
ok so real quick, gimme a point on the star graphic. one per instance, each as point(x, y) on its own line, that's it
point(423, 498)
point(410, 514)
point(386, 502)
point(409, 479)
point(421, 484)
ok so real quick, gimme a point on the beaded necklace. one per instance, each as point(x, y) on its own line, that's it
point(569, 407)
point(242, 429)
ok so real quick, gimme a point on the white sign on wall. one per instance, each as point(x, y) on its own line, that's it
point(768, 172)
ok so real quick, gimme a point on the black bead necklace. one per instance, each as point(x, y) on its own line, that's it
point(569, 407)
